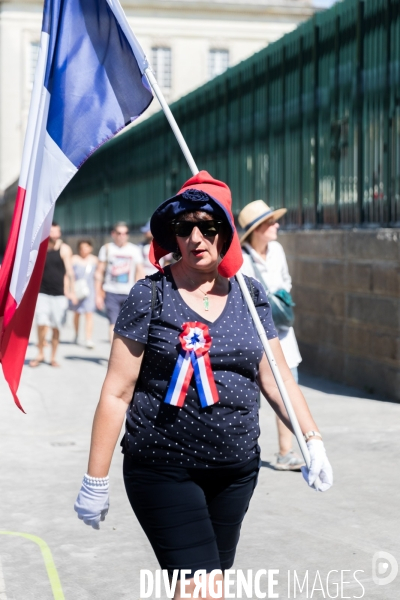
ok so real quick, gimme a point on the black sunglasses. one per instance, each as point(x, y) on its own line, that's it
point(207, 228)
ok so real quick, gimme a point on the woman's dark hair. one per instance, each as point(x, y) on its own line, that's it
point(248, 239)
point(194, 215)
point(85, 241)
point(202, 215)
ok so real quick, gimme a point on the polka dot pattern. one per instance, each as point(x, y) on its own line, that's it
point(220, 435)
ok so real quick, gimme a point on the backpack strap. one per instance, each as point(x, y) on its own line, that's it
point(154, 277)
point(153, 294)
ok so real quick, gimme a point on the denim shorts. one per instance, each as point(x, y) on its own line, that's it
point(113, 304)
point(192, 517)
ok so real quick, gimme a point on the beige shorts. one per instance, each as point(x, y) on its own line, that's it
point(51, 310)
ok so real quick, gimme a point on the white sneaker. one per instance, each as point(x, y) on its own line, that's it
point(289, 462)
point(89, 344)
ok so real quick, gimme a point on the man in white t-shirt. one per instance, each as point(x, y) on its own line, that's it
point(120, 266)
point(148, 266)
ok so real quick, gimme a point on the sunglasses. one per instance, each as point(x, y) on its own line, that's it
point(207, 228)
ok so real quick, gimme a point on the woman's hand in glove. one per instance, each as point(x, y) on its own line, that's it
point(92, 502)
point(319, 475)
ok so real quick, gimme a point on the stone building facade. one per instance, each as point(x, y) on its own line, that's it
point(186, 41)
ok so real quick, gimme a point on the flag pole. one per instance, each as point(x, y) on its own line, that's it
point(171, 120)
point(240, 279)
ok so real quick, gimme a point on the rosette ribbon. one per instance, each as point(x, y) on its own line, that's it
point(193, 358)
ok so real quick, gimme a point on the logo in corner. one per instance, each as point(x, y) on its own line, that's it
point(384, 568)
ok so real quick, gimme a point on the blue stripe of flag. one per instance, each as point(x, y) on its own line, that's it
point(51, 10)
point(92, 76)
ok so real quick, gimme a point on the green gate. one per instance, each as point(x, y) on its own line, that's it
point(312, 123)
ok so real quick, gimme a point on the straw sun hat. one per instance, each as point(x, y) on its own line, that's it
point(255, 213)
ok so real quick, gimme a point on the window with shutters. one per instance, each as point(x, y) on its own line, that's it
point(161, 64)
point(33, 52)
point(218, 62)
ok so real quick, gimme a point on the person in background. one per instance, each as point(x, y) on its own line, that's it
point(84, 265)
point(145, 246)
point(120, 266)
point(265, 260)
point(56, 288)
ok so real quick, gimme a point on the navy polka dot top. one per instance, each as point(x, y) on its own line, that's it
point(224, 434)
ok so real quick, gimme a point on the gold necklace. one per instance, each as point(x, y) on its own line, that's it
point(206, 299)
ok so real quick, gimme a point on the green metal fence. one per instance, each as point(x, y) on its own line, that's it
point(312, 123)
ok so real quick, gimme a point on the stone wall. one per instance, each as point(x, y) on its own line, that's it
point(346, 285)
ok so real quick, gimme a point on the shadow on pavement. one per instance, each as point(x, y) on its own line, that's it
point(338, 389)
point(267, 464)
point(98, 360)
point(28, 360)
point(270, 465)
point(48, 343)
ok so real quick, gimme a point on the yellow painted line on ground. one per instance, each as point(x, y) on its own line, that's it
point(48, 562)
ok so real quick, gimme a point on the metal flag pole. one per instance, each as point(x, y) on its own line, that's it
point(240, 279)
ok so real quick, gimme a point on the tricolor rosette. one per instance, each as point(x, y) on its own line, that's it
point(193, 358)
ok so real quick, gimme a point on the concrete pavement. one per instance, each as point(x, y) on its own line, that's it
point(289, 527)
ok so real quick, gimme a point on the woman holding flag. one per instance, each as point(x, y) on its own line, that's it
point(185, 367)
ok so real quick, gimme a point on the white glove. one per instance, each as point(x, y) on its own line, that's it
point(319, 467)
point(92, 502)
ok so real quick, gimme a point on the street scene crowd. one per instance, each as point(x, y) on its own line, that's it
point(272, 535)
point(167, 456)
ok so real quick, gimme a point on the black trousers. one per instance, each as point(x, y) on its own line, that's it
point(192, 517)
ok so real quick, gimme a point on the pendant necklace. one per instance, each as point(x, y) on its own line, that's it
point(206, 299)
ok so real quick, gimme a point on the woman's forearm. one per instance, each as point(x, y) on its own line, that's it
point(299, 404)
point(117, 392)
point(107, 423)
point(270, 390)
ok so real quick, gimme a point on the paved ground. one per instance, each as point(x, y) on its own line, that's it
point(288, 527)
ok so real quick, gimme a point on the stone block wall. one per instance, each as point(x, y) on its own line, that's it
point(346, 285)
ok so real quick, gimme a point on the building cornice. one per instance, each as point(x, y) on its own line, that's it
point(293, 10)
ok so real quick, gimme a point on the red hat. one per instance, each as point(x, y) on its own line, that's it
point(200, 192)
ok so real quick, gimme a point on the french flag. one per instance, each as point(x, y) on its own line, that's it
point(89, 84)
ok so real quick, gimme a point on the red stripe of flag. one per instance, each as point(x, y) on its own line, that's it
point(16, 333)
point(15, 321)
point(9, 257)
